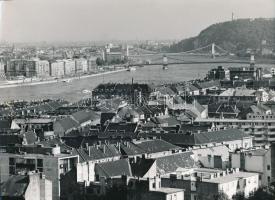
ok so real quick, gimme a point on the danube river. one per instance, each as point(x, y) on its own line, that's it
point(73, 91)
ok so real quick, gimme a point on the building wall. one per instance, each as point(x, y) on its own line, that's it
point(45, 189)
point(272, 162)
point(92, 66)
point(69, 67)
point(207, 156)
point(51, 168)
point(81, 66)
point(152, 172)
point(57, 69)
point(254, 163)
point(33, 189)
point(42, 68)
point(262, 130)
point(86, 172)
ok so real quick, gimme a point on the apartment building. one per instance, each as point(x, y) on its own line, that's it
point(50, 161)
point(263, 130)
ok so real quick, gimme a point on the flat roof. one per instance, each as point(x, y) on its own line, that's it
point(230, 177)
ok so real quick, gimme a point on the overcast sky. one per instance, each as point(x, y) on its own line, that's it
point(89, 20)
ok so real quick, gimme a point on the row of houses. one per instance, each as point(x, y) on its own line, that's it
point(205, 170)
point(44, 68)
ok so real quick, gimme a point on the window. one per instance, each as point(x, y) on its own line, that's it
point(268, 167)
point(11, 161)
point(268, 179)
point(39, 163)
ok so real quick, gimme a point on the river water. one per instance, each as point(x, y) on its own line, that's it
point(73, 91)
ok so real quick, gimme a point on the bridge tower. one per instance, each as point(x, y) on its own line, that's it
point(127, 50)
point(165, 62)
point(213, 50)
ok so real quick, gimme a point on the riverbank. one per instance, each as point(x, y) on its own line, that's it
point(66, 79)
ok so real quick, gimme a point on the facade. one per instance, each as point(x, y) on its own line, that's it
point(238, 95)
point(69, 67)
point(28, 68)
point(32, 186)
point(216, 74)
point(263, 130)
point(254, 160)
point(209, 184)
point(81, 66)
point(57, 68)
point(42, 68)
point(49, 160)
point(92, 66)
point(212, 156)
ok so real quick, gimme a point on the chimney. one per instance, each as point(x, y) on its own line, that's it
point(87, 146)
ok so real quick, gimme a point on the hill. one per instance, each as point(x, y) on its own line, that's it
point(233, 36)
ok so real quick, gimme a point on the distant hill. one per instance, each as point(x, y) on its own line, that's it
point(233, 36)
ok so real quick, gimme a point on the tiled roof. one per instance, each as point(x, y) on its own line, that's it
point(141, 167)
point(207, 84)
point(15, 186)
point(5, 124)
point(190, 139)
point(156, 145)
point(10, 139)
point(103, 151)
point(219, 136)
point(171, 163)
point(130, 149)
point(116, 168)
point(85, 115)
point(67, 123)
point(121, 128)
point(171, 121)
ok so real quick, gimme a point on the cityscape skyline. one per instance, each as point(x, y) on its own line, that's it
point(29, 20)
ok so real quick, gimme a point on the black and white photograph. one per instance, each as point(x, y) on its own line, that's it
point(137, 99)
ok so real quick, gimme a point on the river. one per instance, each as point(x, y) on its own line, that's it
point(72, 91)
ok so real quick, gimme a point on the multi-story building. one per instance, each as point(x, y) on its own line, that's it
point(216, 73)
point(57, 68)
point(207, 184)
point(81, 66)
point(255, 160)
point(263, 130)
point(48, 160)
point(28, 68)
point(69, 67)
point(92, 66)
point(42, 68)
point(32, 186)
point(237, 95)
point(21, 67)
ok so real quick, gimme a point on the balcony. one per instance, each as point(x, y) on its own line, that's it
point(259, 132)
point(271, 139)
point(259, 126)
point(271, 133)
point(262, 138)
point(246, 126)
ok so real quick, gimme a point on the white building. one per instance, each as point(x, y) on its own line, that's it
point(254, 160)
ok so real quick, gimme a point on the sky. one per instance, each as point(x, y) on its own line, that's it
point(97, 20)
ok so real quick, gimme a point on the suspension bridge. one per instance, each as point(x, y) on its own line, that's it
point(211, 53)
